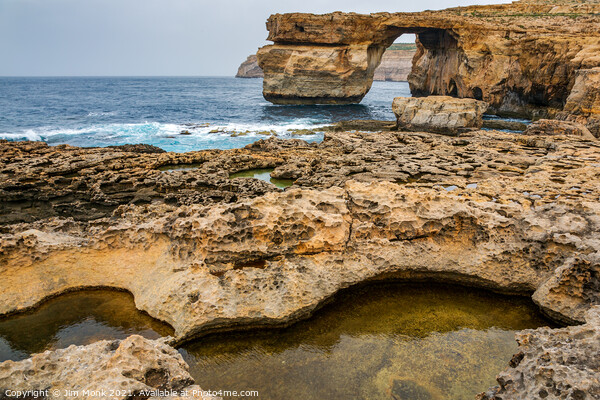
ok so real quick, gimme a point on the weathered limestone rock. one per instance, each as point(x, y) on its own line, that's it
point(272, 259)
point(122, 369)
point(508, 212)
point(441, 114)
point(341, 74)
point(395, 66)
point(522, 58)
point(583, 103)
point(554, 364)
point(249, 68)
point(86, 184)
point(554, 127)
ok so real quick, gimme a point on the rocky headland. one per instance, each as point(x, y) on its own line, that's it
point(395, 65)
point(531, 58)
point(249, 68)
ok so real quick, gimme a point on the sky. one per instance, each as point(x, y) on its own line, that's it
point(155, 37)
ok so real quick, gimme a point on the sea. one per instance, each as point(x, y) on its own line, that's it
point(212, 112)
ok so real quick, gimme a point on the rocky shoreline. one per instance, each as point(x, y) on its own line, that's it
point(205, 253)
point(431, 197)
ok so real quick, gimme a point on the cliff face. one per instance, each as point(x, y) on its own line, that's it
point(395, 66)
point(523, 58)
point(249, 68)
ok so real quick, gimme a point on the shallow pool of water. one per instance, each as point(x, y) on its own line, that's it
point(390, 341)
point(385, 342)
point(75, 318)
point(263, 174)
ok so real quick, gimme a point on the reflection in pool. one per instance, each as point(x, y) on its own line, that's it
point(264, 175)
point(385, 342)
point(75, 318)
point(390, 341)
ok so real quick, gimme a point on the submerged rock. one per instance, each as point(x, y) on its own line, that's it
point(440, 114)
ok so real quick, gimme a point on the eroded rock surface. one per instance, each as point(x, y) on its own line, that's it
point(508, 212)
point(38, 181)
point(503, 211)
point(441, 114)
point(526, 58)
point(133, 367)
point(555, 127)
point(395, 66)
point(554, 364)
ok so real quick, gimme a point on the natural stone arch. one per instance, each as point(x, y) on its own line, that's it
point(326, 72)
point(521, 58)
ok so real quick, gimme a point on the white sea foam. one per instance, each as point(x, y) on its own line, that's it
point(168, 136)
point(102, 113)
point(26, 135)
point(283, 130)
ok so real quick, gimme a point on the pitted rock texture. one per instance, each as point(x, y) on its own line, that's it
point(504, 211)
point(39, 181)
point(554, 364)
point(441, 114)
point(122, 369)
point(526, 58)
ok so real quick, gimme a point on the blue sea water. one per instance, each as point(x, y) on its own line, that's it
point(106, 111)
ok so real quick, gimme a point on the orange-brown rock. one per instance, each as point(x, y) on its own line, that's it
point(499, 210)
point(522, 58)
point(395, 66)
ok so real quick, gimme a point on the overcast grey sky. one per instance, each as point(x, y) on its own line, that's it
point(154, 37)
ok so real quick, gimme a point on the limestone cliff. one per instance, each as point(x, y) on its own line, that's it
point(395, 66)
point(249, 68)
point(523, 58)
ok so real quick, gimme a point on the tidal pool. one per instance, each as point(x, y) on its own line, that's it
point(391, 341)
point(263, 174)
point(76, 318)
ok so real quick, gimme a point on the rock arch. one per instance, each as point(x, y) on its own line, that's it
point(522, 58)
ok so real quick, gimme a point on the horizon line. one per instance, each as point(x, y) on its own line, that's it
point(118, 76)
